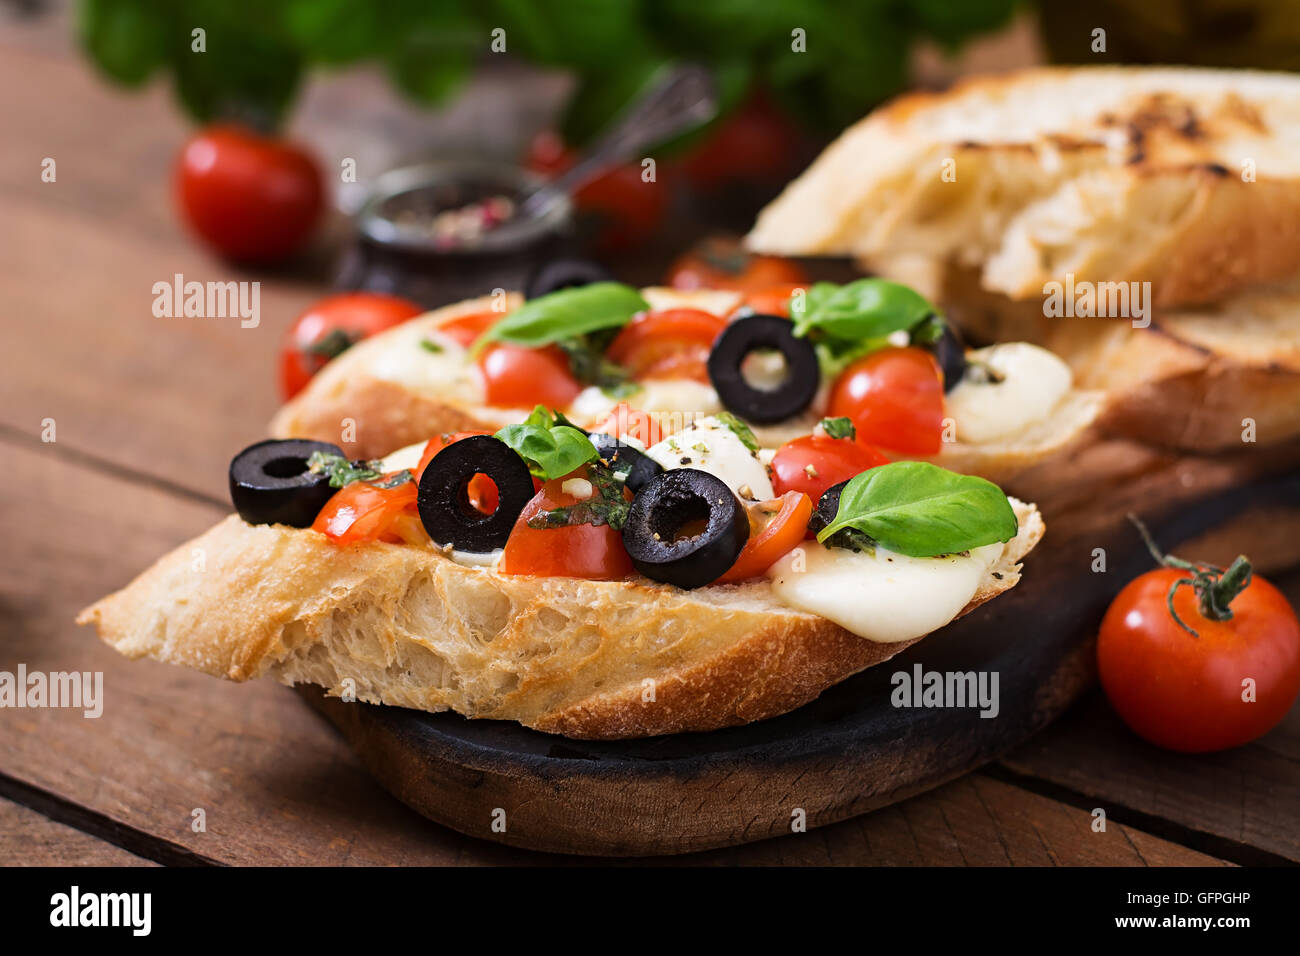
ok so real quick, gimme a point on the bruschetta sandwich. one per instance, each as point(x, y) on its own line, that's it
point(873, 351)
point(580, 582)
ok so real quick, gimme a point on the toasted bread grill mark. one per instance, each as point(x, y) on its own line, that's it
point(1040, 205)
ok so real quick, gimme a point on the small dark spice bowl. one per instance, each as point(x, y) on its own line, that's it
point(441, 232)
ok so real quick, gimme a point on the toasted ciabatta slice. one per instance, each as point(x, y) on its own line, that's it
point(1185, 178)
point(1201, 380)
point(1197, 379)
point(407, 626)
point(387, 392)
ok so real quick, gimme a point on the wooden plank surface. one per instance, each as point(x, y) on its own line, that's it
point(29, 839)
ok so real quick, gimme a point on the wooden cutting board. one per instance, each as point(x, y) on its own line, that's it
point(851, 750)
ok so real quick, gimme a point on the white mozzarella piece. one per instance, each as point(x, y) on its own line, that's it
point(1033, 382)
point(476, 559)
point(405, 360)
point(711, 446)
point(684, 397)
point(408, 457)
point(880, 595)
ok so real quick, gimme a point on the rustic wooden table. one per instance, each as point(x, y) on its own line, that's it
point(147, 411)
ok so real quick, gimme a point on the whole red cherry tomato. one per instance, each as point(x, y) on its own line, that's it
point(813, 463)
point(894, 397)
point(250, 197)
point(1230, 682)
point(330, 326)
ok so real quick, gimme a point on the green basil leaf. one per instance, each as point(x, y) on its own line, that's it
point(922, 510)
point(550, 452)
point(566, 314)
point(863, 309)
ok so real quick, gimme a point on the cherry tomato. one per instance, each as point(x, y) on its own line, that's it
point(674, 343)
point(588, 551)
point(894, 398)
point(518, 377)
point(773, 299)
point(467, 328)
point(1185, 693)
point(622, 208)
point(482, 490)
point(362, 511)
point(722, 263)
point(250, 197)
point(330, 326)
point(776, 527)
point(815, 462)
point(626, 421)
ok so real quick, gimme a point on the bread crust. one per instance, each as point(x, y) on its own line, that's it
point(407, 626)
point(1108, 173)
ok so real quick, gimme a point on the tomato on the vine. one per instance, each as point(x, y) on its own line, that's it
point(580, 550)
point(332, 325)
point(894, 397)
point(1227, 674)
point(250, 197)
point(674, 343)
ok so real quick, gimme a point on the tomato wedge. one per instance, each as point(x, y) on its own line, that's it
point(482, 491)
point(589, 551)
point(518, 377)
point(673, 343)
point(773, 299)
point(467, 328)
point(776, 528)
point(813, 463)
point(627, 422)
point(363, 511)
point(894, 397)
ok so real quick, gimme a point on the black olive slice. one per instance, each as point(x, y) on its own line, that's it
point(685, 527)
point(635, 465)
point(563, 274)
point(828, 505)
point(443, 498)
point(950, 353)
point(763, 405)
point(270, 482)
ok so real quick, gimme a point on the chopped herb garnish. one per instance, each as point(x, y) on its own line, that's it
point(430, 346)
point(606, 506)
point(342, 472)
point(741, 430)
point(839, 428)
